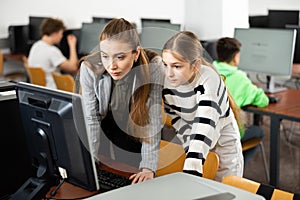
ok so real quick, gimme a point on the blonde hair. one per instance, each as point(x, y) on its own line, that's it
point(186, 47)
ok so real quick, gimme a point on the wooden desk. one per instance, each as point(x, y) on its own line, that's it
point(287, 108)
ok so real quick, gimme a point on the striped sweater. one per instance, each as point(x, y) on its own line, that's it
point(199, 110)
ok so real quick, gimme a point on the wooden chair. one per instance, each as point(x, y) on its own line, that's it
point(64, 81)
point(251, 143)
point(172, 156)
point(36, 75)
point(266, 191)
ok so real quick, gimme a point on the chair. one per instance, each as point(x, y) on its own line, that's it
point(211, 165)
point(16, 76)
point(172, 156)
point(266, 191)
point(254, 142)
point(64, 81)
point(36, 75)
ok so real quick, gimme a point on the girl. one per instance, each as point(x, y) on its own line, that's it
point(121, 88)
point(202, 112)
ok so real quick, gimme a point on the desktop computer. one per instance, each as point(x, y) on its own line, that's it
point(54, 122)
point(15, 161)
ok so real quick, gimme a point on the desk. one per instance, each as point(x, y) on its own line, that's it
point(171, 158)
point(287, 108)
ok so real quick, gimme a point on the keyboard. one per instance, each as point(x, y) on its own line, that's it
point(109, 181)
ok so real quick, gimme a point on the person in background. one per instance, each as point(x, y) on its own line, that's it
point(45, 54)
point(121, 89)
point(203, 113)
point(243, 91)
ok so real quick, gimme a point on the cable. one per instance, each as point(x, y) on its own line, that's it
point(53, 192)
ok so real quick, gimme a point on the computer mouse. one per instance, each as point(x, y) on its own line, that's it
point(273, 99)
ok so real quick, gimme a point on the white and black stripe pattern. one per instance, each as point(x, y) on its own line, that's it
point(198, 111)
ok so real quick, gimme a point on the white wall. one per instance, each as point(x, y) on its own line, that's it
point(74, 12)
point(260, 7)
point(218, 21)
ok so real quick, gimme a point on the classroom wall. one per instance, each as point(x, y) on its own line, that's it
point(74, 12)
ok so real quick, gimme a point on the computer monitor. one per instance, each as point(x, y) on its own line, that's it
point(267, 51)
point(281, 18)
point(34, 27)
point(297, 45)
point(89, 37)
point(64, 46)
point(103, 20)
point(258, 21)
point(57, 138)
point(155, 33)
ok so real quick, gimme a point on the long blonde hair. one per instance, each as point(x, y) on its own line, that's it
point(186, 47)
point(122, 30)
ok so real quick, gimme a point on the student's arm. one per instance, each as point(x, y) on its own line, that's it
point(91, 105)
point(70, 65)
point(150, 147)
point(212, 104)
point(245, 92)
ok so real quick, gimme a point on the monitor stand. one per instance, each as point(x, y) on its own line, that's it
point(270, 88)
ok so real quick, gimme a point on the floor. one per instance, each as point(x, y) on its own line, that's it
point(289, 179)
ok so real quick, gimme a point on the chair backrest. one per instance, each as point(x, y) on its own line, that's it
point(172, 156)
point(36, 75)
point(249, 144)
point(211, 165)
point(266, 191)
point(170, 159)
point(64, 81)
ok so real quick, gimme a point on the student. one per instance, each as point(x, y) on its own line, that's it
point(202, 112)
point(45, 54)
point(243, 91)
point(121, 88)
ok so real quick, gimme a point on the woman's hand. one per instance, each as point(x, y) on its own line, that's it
point(144, 175)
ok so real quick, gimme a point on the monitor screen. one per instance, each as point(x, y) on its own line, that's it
point(267, 51)
point(34, 27)
point(54, 122)
point(89, 37)
point(155, 34)
point(281, 18)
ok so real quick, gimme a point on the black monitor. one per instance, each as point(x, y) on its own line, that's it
point(281, 18)
point(64, 46)
point(267, 51)
point(103, 20)
point(34, 27)
point(18, 38)
point(57, 139)
point(258, 21)
point(89, 37)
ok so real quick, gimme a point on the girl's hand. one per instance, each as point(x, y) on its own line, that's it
point(144, 175)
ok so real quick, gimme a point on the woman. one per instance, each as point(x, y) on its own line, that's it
point(202, 112)
point(121, 88)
